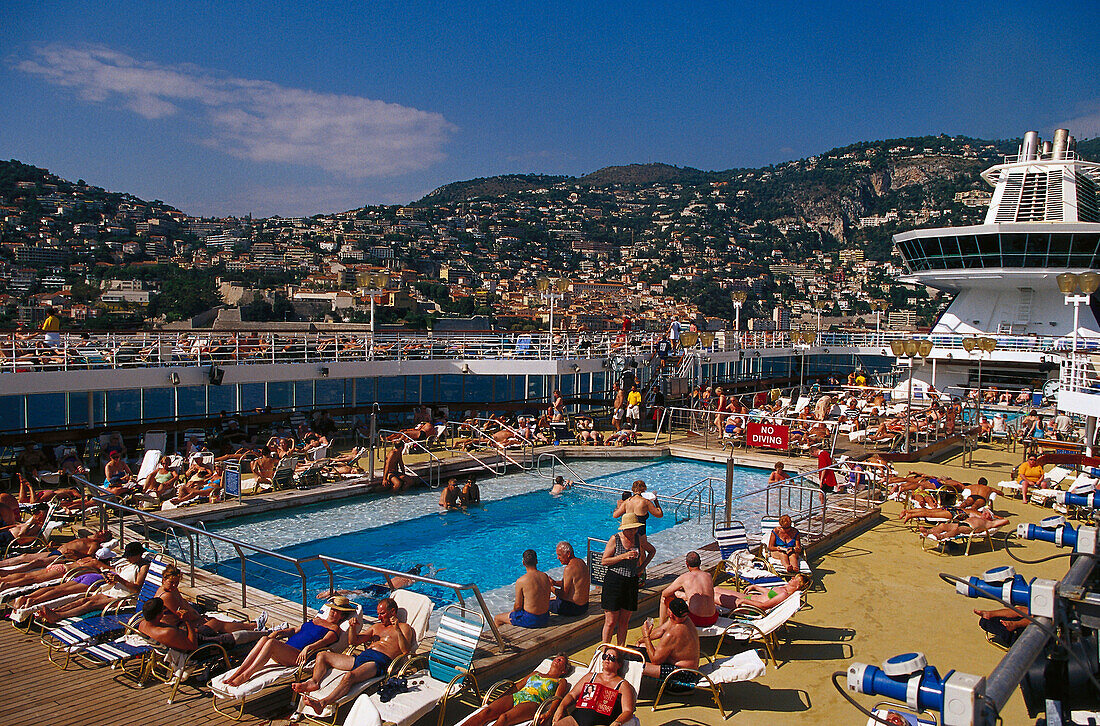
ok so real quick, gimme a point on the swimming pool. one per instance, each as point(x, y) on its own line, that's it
point(482, 545)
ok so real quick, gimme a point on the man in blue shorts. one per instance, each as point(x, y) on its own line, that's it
point(532, 606)
point(387, 639)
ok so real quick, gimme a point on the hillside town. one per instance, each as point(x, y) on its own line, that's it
point(803, 244)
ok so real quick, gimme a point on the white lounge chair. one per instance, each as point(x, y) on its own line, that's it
point(415, 610)
point(270, 677)
point(632, 675)
point(445, 673)
point(761, 628)
point(939, 544)
point(737, 560)
point(767, 524)
point(712, 675)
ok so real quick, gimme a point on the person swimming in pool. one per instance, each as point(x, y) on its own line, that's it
point(375, 589)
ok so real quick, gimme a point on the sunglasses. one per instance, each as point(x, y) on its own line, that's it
point(611, 657)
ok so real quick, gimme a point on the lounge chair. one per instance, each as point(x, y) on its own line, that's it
point(447, 673)
point(269, 678)
point(932, 543)
point(737, 560)
point(26, 615)
point(750, 624)
point(712, 675)
point(417, 610)
point(74, 636)
point(546, 707)
point(767, 524)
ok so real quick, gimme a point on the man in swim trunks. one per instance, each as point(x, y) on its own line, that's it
point(532, 607)
point(387, 639)
point(678, 646)
point(971, 524)
point(73, 549)
point(571, 592)
point(393, 473)
point(694, 587)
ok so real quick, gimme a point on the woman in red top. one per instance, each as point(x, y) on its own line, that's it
point(600, 699)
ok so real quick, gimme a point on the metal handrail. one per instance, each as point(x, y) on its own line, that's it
point(237, 545)
point(457, 588)
point(434, 464)
point(556, 461)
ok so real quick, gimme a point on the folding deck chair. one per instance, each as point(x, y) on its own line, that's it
point(767, 524)
point(446, 673)
point(712, 675)
point(737, 560)
point(749, 624)
point(417, 611)
point(74, 636)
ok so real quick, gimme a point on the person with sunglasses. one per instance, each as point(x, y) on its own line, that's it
point(603, 698)
point(519, 703)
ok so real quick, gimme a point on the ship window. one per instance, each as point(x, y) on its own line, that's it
point(221, 398)
point(329, 392)
point(279, 395)
point(252, 396)
point(567, 384)
point(123, 405)
point(191, 401)
point(78, 408)
point(47, 410)
point(450, 389)
point(501, 388)
point(536, 387)
point(303, 394)
point(1036, 250)
point(364, 391)
point(1083, 251)
point(13, 418)
point(391, 389)
point(155, 403)
point(478, 388)
point(599, 382)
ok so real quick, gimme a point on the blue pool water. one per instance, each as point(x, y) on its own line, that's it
point(482, 545)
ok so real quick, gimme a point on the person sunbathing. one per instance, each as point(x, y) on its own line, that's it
point(301, 643)
point(54, 571)
point(519, 703)
point(24, 533)
point(209, 488)
point(124, 579)
point(29, 495)
point(161, 481)
point(72, 550)
point(169, 594)
point(959, 513)
point(175, 629)
point(759, 596)
point(973, 524)
point(785, 544)
point(386, 640)
point(264, 466)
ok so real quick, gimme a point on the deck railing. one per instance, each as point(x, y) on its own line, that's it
point(22, 352)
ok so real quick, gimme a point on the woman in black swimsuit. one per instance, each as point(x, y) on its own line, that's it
point(603, 698)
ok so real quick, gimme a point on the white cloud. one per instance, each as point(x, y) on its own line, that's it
point(1087, 124)
point(252, 119)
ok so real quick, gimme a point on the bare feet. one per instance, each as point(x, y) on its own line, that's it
point(49, 615)
point(304, 687)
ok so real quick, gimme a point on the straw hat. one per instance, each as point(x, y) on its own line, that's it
point(339, 602)
point(630, 521)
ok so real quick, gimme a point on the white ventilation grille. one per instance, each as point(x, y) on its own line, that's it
point(1010, 198)
point(1054, 197)
point(1088, 206)
point(1033, 198)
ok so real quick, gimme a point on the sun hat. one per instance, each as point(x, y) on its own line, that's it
point(630, 521)
point(339, 602)
point(105, 553)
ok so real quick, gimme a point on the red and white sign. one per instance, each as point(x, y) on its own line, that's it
point(766, 435)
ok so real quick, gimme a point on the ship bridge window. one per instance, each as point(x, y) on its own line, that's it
point(968, 249)
point(989, 248)
point(1058, 256)
point(1013, 249)
point(1037, 250)
point(1083, 252)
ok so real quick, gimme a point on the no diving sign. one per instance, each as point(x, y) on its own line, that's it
point(766, 435)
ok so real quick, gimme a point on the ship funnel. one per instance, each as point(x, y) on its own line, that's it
point(1030, 148)
point(1061, 143)
point(1046, 150)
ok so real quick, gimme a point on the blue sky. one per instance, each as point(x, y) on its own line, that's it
point(297, 108)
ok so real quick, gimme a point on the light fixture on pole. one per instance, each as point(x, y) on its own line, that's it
point(910, 348)
point(739, 298)
point(802, 340)
point(820, 305)
point(376, 285)
point(983, 345)
point(1070, 284)
point(552, 290)
point(878, 306)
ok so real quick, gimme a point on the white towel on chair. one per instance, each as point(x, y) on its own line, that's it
point(363, 713)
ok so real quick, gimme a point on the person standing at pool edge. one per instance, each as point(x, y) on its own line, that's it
point(641, 504)
point(619, 598)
